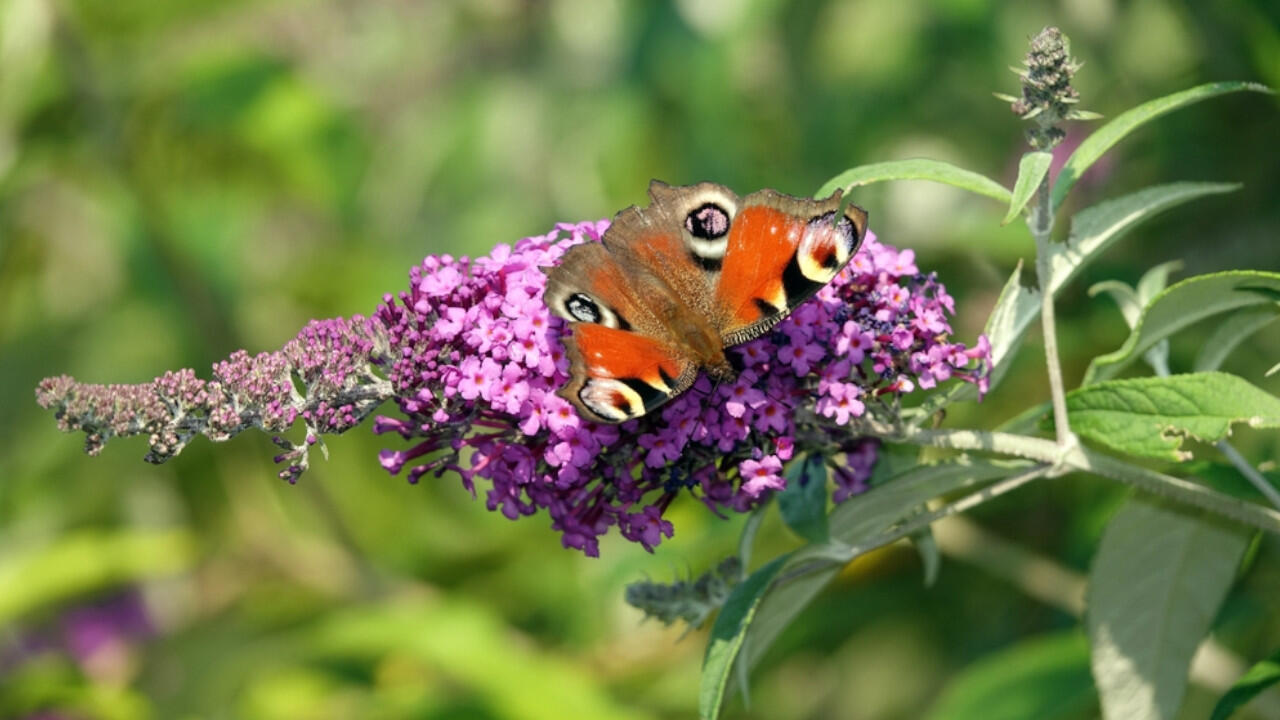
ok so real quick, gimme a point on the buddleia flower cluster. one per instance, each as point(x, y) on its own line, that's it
point(473, 361)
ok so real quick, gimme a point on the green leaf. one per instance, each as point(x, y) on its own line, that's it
point(1155, 280)
point(1132, 300)
point(86, 562)
point(916, 169)
point(728, 635)
point(804, 503)
point(1157, 580)
point(1031, 171)
point(1045, 678)
point(1259, 677)
point(1097, 228)
point(1230, 332)
point(749, 529)
point(1125, 297)
point(858, 519)
point(1151, 416)
point(1113, 132)
point(1184, 304)
point(1093, 231)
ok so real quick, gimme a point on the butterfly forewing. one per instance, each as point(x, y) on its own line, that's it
point(781, 251)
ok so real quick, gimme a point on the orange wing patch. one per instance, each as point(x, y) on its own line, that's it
point(625, 374)
point(762, 242)
point(610, 353)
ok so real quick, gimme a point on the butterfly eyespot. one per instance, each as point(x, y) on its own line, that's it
point(707, 222)
point(582, 308)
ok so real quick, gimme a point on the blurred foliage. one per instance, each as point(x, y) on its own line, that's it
point(182, 179)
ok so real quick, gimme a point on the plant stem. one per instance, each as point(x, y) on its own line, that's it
point(822, 556)
point(1041, 224)
point(1082, 459)
point(1250, 472)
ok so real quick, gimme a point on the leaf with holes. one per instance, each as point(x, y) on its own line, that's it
point(1150, 417)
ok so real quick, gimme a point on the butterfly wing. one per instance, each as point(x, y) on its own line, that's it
point(779, 251)
point(624, 361)
point(680, 237)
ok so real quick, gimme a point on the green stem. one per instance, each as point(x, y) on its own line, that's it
point(823, 556)
point(1079, 458)
point(1041, 225)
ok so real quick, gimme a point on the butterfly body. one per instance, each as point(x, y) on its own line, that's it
point(673, 284)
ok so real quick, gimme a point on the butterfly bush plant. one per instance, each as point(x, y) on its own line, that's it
point(464, 366)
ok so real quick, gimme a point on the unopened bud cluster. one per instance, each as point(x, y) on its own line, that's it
point(1047, 95)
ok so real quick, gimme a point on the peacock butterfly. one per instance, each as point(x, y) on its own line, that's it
point(673, 284)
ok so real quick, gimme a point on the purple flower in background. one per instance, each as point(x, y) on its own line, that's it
point(473, 359)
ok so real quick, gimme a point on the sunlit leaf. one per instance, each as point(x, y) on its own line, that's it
point(1157, 580)
point(916, 169)
point(1032, 169)
point(1151, 417)
point(1113, 132)
point(1093, 231)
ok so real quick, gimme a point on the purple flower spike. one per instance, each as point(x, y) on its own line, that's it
point(474, 360)
point(482, 361)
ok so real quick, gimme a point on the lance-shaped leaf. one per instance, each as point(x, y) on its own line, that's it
point(1150, 417)
point(1184, 304)
point(917, 169)
point(852, 523)
point(1157, 580)
point(1031, 170)
point(1113, 132)
point(1233, 330)
point(1093, 231)
point(728, 634)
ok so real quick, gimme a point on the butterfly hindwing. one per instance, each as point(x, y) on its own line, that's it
point(617, 375)
point(623, 361)
point(781, 250)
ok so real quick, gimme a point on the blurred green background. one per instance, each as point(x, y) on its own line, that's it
point(179, 179)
